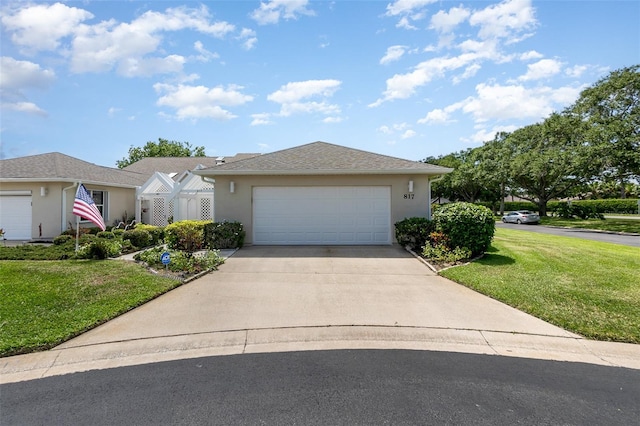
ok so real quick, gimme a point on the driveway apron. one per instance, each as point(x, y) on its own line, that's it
point(294, 287)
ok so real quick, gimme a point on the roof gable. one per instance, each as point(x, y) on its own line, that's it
point(56, 166)
point(323, 158)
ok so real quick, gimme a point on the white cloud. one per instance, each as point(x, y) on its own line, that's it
point(194, 102)
point(27, 107)
point(291, 97)
point(113, 111)
point(444, 22)
point(402, 7)
point(204, 54)
point(248, 38)
point(484, 135)
point(576, 71)
point(272, 11)
point(544, 68)
point(19, 75)
point(532, 54)
point(40, 27)
point(408, 134)
point(469, 72)
point(507, 20)
point(402, 86)
point(331, 120)
point(436, 116)
point(260, 119)
point(385, 129)
point(16, 77)
point(129, 46)
point(394, 53)
point(406, 24)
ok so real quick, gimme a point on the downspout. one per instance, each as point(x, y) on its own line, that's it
point(138, 205)
point(64, 205)
point(429, 180)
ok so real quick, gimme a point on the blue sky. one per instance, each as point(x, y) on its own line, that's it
point(407, 78)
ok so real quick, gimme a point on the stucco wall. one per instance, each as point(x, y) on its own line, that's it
point(237, 206)
point(47, 213)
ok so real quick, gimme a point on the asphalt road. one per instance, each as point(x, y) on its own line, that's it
point(332, 387)
point(627, 240)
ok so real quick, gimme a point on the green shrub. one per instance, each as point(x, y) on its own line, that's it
point(100, 249)
point(138, 237)
point(619, 206)
point(442, 253)
point(61, 239)
point(187, 235)
point(86, 239)
point(224, 235)
point(414, 232)
point(570, 210)
point(181, 261)
point(156, 232)
point(106, 235)
point(466, 225)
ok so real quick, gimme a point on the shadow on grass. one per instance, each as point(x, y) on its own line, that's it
point(491, 258)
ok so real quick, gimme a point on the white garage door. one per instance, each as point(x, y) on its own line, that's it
point(15, 216)
point(322, 215)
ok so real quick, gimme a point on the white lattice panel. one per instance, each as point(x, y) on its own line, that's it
point(206, 210)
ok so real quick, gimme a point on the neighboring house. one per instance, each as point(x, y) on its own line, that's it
point(321, 193)
point(173, 192)
point(37, 193)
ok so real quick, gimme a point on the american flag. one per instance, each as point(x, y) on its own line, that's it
point(84, 207)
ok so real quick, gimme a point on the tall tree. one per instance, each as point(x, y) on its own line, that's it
point(465, 183)
point(611, 110)
point(550, 160)
point(162, 148)
point(495, 158)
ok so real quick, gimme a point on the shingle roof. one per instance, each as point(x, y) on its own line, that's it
point(168, 165)
point(55, 166)
point(320, 158)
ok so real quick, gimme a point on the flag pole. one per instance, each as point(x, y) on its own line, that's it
point(77, 221)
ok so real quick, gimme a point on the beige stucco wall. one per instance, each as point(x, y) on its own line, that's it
point(238, 206)
point(46, 219)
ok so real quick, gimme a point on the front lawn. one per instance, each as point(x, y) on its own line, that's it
point(44, 303)
point(590, 288)
point(613, 225)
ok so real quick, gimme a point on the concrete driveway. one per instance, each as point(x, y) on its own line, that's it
point(267, 299)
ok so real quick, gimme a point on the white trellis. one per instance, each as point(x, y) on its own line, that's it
point(164, 198)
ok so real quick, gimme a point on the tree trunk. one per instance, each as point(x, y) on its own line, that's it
point(501, 198)
point(542, 208)
point(623, 190)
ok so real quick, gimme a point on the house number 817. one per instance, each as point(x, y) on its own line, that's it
point(409, 196)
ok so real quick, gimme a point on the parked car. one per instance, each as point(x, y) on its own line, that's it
point(521, 216)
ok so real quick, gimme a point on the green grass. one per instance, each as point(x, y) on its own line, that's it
point(44, 303)
point(614, 225)
point(590, 288)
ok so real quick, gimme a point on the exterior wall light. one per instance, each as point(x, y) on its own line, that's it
point(44, 191)
point(410, 186)
point(232, 187)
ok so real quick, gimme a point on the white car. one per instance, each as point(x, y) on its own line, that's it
point(521, 216)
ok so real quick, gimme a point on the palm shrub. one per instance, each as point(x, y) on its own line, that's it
point(466, 225)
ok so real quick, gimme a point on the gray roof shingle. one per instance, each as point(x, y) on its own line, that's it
point(320, 158)
point(55, 166)
point(168, 165)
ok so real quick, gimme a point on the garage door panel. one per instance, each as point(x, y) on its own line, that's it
point(322, 215)
point(15, 216)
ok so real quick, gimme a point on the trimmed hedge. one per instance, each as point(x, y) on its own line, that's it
point(620, 206)
point(224, 235)
point(414, 232)
point(466, 225)
point(187, 235)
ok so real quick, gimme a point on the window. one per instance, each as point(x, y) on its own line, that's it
point(100, 198)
